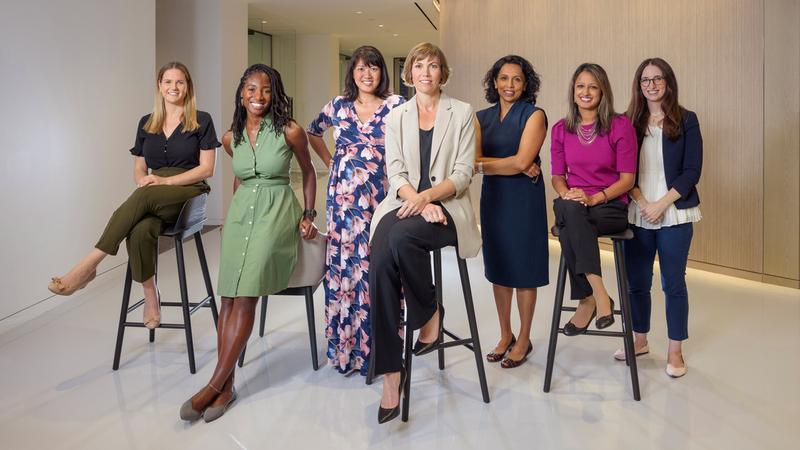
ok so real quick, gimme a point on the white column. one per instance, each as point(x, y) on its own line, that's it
point(210, 37)
point(316, 78)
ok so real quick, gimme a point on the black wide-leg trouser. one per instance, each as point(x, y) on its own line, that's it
point(400, 266)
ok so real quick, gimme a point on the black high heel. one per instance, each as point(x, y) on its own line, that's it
point(387, 414)
point(570, 329)
point(423, 348)
point(605, 321)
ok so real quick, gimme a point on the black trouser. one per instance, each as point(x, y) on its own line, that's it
point(579, 227)
point(400, 266)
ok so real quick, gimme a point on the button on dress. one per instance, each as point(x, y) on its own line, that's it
point(261, 235)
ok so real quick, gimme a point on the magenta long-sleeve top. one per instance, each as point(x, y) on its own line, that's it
point(595, 166)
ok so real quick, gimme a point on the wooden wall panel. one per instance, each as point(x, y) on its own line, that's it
point(716, 49)
point(782, 139)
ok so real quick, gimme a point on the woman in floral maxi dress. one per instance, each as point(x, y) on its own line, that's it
point(357, 184)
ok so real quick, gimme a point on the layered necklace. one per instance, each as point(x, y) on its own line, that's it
point(587, 136)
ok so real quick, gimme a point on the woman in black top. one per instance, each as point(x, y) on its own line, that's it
point(174, 154)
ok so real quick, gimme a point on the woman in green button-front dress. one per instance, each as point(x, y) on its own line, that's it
point(263, 225)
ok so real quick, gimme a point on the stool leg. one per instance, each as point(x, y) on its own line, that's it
point(241, 356)
point(263, 315)
point(312, 327)
point(409, 353)
point(558, 304)
point(123, 314)
point(187, 321)
point(473, 326)
point(437, 280)
point(201, 255)
point(371, 368)
point(152, 333)
point(622, 285)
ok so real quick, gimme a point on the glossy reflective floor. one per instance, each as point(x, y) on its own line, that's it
point(742, 390)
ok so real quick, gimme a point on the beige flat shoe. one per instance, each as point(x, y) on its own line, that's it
point(619, 355)
point(677, 372)
point(57, 287)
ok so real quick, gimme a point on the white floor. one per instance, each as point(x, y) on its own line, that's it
point(742, 390)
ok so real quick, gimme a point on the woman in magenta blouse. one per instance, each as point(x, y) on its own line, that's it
point(593, 158)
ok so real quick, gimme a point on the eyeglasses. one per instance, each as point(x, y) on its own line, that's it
point(657, 80)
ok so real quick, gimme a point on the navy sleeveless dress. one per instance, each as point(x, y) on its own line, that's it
point(513, 209)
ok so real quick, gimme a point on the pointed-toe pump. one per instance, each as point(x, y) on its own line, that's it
point(387, 414)
point(423, 348)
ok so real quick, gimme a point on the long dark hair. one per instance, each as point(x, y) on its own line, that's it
point(605, 110)
point(532, 81)
point(673, 111)
point(369, 56)
point(277, 110)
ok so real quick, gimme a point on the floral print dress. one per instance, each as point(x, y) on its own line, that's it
point(357, 184)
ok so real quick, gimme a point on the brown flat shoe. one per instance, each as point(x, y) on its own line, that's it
point(497, 357)
point(509, 363)
point(57, 287)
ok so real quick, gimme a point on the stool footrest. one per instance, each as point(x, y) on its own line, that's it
point(600, 333)
point(175, 326)
point(456, 341)
point(573, 309)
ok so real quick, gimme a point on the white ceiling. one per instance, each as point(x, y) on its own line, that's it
point(339, 17)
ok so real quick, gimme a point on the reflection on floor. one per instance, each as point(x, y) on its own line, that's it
point(742, 390)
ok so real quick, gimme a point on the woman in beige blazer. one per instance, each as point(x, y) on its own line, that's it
point(430, 153)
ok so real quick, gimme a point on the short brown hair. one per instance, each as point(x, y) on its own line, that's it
point(421, 51)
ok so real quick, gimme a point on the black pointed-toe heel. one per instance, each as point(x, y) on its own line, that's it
point(387, 414)
point(605, 321)
point(570, 329)
point(423, 348)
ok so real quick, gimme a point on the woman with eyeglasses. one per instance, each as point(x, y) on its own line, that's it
point(513, 208)
point(593, 159)
point(665, 205)
point(356, 185)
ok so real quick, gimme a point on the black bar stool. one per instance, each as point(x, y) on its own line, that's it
point(308, 293)
point(190, 223)
point(472, 343)
point(625, 311)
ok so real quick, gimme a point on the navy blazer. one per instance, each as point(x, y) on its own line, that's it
point(683, 161)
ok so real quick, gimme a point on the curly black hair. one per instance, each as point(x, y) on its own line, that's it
point(277, 110)
point(532, 81)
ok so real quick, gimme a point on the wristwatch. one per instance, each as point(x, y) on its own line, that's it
point(310, 213)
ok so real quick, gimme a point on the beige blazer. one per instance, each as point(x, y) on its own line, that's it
point(452, 157)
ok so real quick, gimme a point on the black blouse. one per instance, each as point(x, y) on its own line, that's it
point(180, 149)
point(425, 141)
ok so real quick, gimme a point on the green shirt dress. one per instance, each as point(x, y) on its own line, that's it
point(261, 235)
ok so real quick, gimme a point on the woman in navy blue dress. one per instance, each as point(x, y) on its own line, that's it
point(513, 211)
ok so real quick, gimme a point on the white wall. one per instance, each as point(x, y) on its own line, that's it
point(210, 37)
point(316, 79)
point(76, 77)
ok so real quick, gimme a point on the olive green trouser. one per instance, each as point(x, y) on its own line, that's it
point(140, 219)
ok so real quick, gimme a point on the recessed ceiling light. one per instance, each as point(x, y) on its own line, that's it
point(263, 21)
point(381, 25)
point(359, 12)
point(395, 34)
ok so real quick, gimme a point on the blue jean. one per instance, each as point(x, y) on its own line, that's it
point(672, 244)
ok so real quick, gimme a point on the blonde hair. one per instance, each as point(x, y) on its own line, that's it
point(421, 51)
point(605, 110)
point(155, 124)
